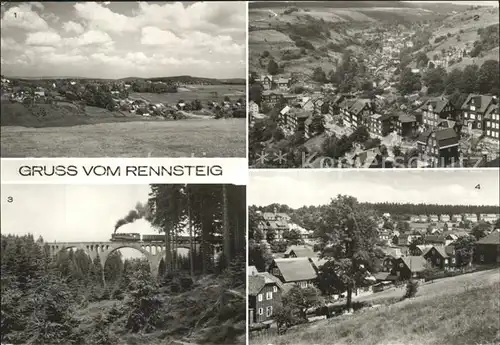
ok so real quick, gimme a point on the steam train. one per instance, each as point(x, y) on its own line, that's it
point(136, 237)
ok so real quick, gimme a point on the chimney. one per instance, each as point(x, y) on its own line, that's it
point(275, 210)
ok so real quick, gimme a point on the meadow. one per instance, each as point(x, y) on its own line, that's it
point(203, 93)
point(184, 138)
point(461, 310)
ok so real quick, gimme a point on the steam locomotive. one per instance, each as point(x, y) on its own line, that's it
point(136, 237)
point(130, 237)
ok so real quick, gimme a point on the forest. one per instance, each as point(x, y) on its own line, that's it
point(197, 298)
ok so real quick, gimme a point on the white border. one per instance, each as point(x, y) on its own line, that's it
point(247, 172)
point(234, 170)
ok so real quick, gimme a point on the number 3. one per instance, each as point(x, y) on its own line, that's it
point(10, 199)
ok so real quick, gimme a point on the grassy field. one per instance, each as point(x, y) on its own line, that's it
point(210, 138)
point(461, 310)
point(203, 93)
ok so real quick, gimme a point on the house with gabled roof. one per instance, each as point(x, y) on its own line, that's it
point(264, 297)
point(299, 252)
point(444, 218)
point(437, 239)
point(408, 267)
point(442, 257)
point(488, 249)
point(283, 83)
point(375, 125)
point(359, 113)
point(334, 103)
point(421, 249)
point(440, 145)
point(266, 81)
point(271, 98)
point(299, 271)
point(492, 122)
point(406, 125)
point(252, 270)
point(474, 110)
point(435, 109)
point(489, 217)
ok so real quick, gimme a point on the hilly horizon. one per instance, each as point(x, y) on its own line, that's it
point(169, 78)
point(360, 4)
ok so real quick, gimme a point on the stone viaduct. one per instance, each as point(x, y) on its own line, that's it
point(153, 251)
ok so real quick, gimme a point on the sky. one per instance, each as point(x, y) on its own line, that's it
point(297, 188)
point(123, 39)
point(67, 213)
point(468, 3)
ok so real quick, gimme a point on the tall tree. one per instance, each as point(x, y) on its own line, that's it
point(487, 78)
point(468, 83)
point(227, 233)
point(349, 234)
point(166, 207)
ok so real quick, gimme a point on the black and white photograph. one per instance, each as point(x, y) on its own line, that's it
point(374, 257)
point(123, 264)
point(123, 79)
point(373, 84)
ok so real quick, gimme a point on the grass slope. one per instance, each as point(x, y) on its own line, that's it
point(210, 138)
point(462, 310)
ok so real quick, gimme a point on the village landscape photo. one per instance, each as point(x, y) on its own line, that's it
point(123, 79)
point(406, 257)
point(123, 264)
point(373, 84)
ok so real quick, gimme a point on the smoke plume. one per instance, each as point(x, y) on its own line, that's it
point(140, 211)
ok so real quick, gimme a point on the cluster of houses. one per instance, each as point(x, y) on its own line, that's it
point(450, 56)
point(70, 90)
point(299, 265)
point(278, 223)
point(435, 126)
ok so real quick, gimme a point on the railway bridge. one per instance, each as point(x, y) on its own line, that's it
point(153, 251)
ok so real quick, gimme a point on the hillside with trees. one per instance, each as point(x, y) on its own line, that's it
point(197, 299)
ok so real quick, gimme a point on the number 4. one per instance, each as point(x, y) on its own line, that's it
point(478, 186)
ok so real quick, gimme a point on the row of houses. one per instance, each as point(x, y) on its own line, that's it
point(472, 217)
point(436, 115)
point(404, 264)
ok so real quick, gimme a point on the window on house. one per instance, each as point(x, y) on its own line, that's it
point(259, 297)
point(481, 258)
point(438, 260)
point(453, 260)
point(261, 311)
point(269, 295)
point(275, 289)
point(269, 311)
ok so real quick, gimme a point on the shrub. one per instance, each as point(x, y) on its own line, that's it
point(411, 289)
